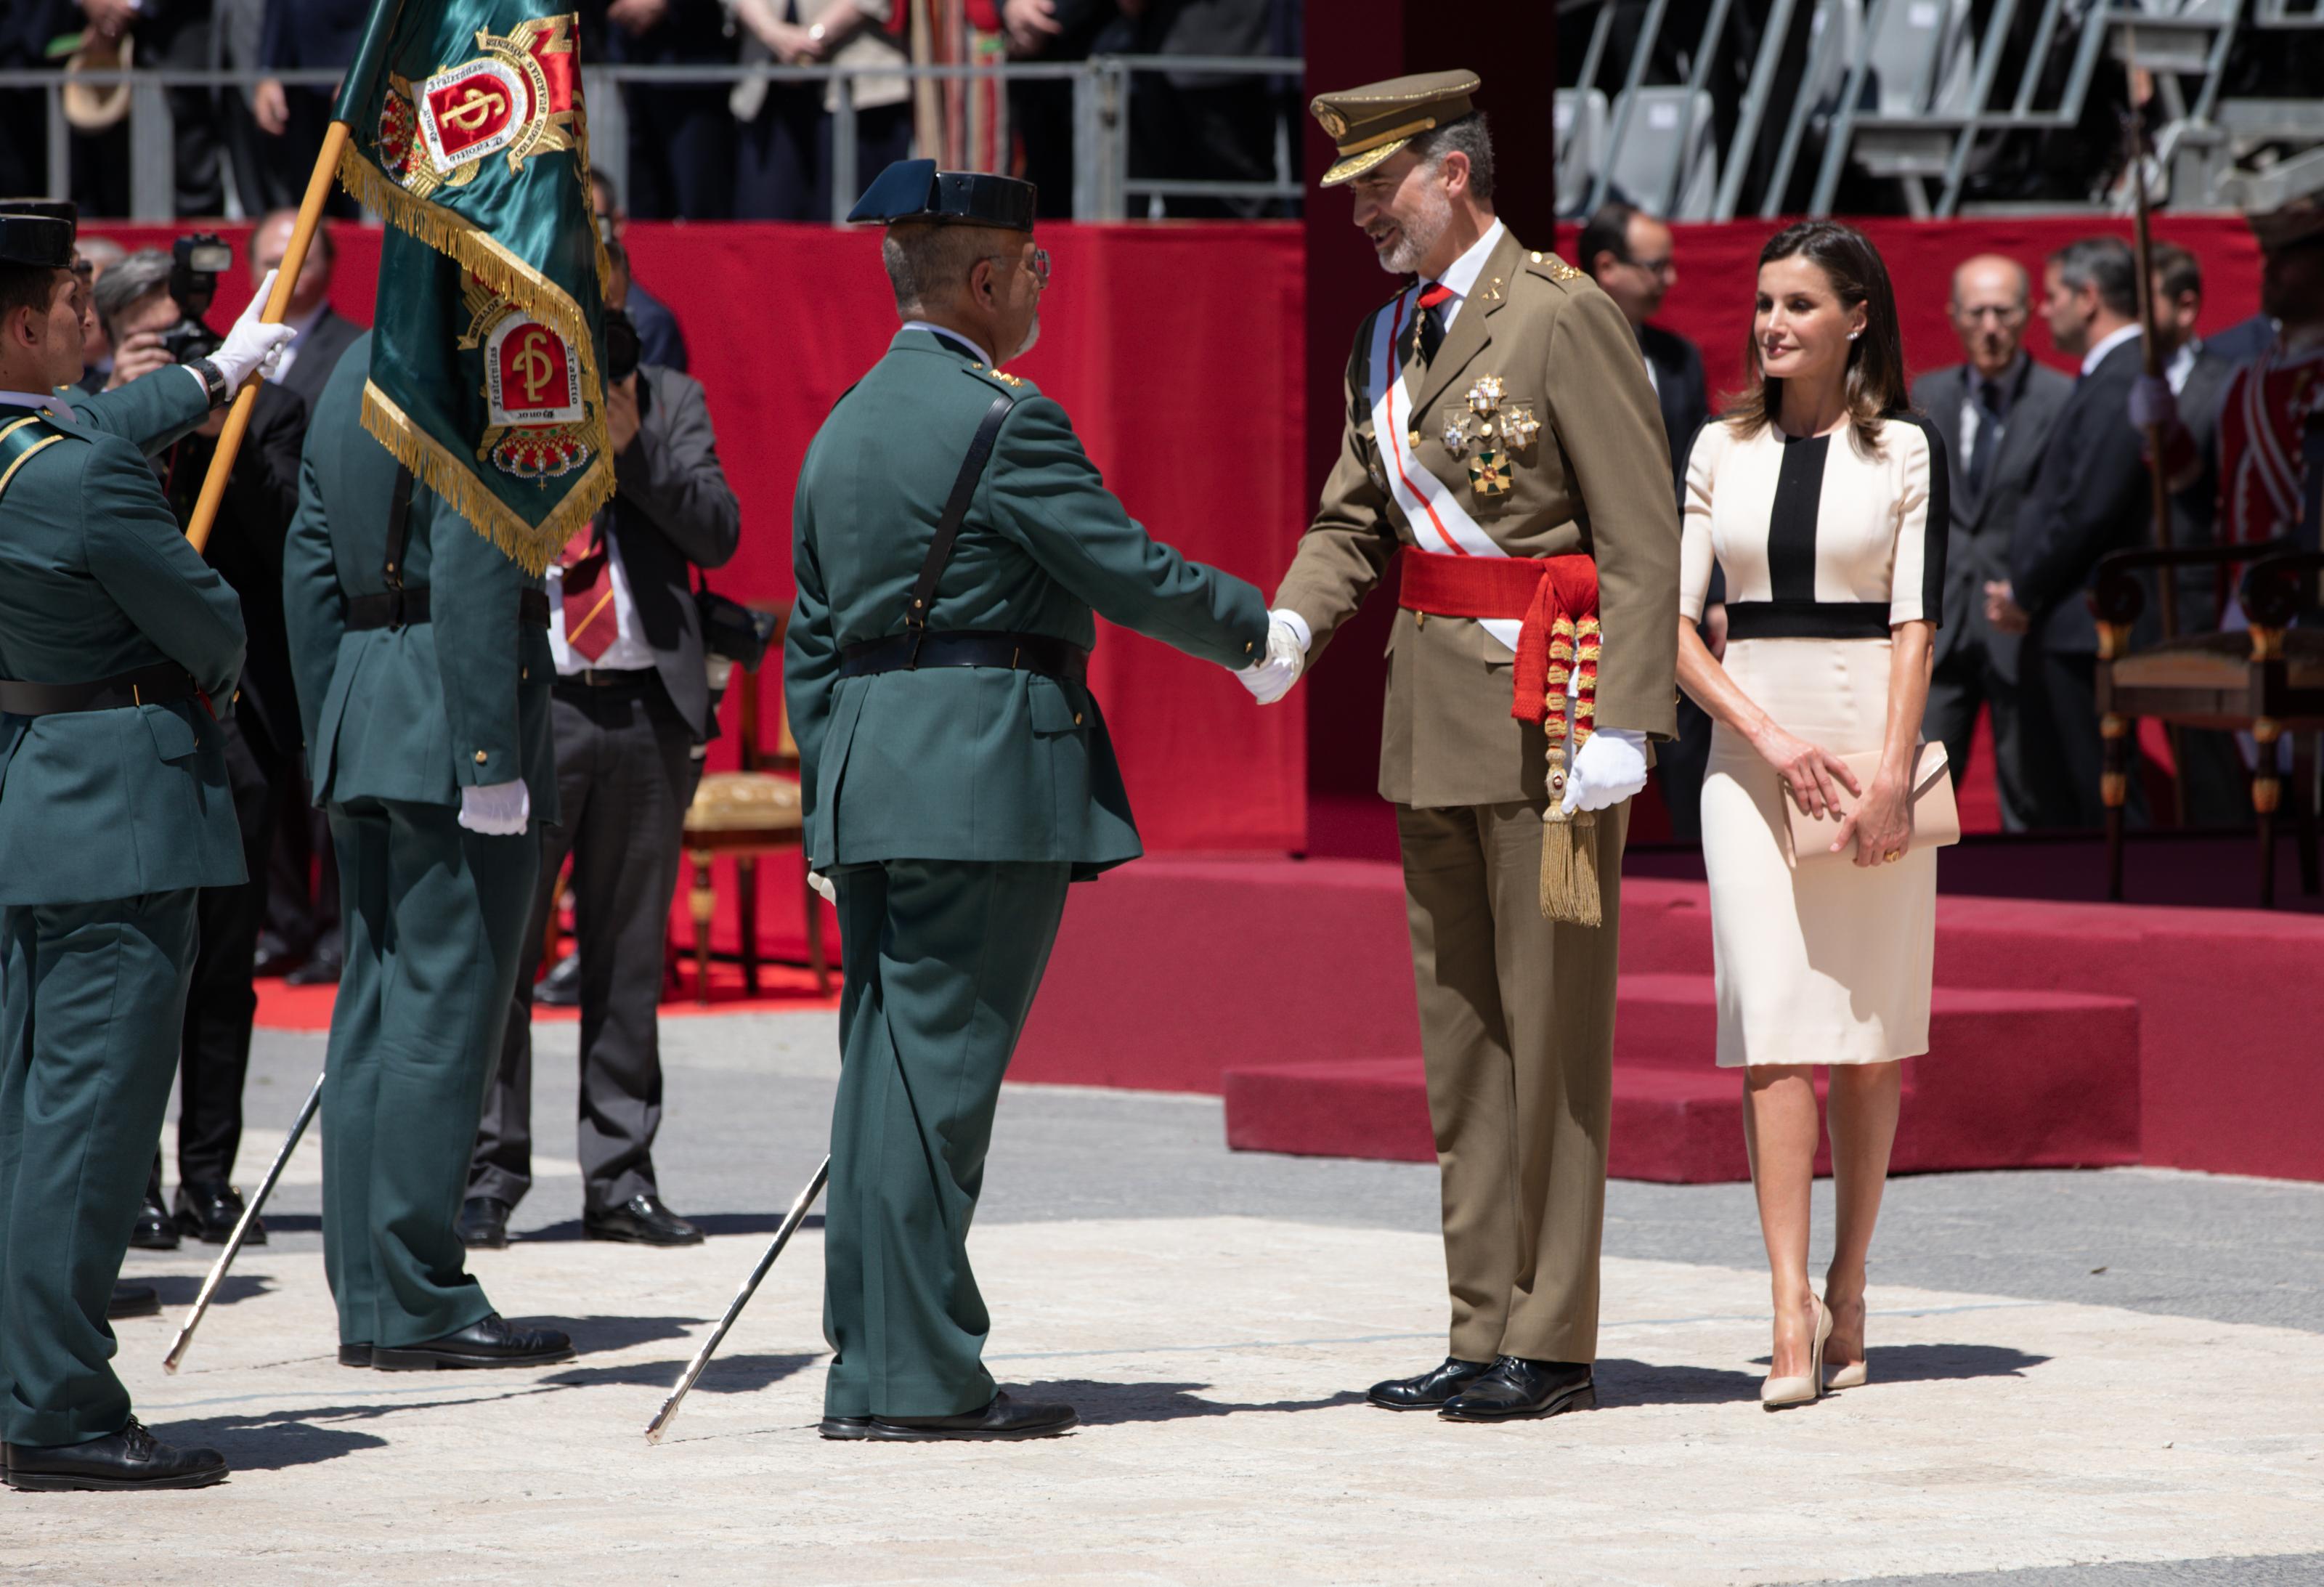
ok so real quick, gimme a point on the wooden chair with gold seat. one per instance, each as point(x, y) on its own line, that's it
point(747, 812)
point(2268, 682)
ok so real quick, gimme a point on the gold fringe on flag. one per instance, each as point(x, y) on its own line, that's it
point(529, 546)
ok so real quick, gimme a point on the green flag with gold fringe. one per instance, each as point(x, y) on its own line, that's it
point(468, 133)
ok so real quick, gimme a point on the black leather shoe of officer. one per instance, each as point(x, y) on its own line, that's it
point(274, 960)
point(1003, 1418)
point(484, 1222)
point(1519, 1388)
point(1431, 1390)
point(641, 1219)
point(489, 1342)
point(133, 1300)
point(322, 970)
point(845, 1426)
point(355, 1355)
point(561, 987)
point(153, 1229)
point(209, 1209)
point(132, 1458)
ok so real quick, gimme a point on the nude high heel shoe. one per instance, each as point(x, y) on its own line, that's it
point(1851, 1376)
point(1777, 1393)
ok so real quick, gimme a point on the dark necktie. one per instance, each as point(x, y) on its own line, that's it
point(1988, 436)
point(590, 628)
point(1432, 320)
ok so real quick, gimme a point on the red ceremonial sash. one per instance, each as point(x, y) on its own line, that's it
point(1555, 598)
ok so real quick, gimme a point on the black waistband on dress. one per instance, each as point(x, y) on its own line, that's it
point(1807, 620)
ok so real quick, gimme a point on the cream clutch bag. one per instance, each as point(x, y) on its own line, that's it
point(1936, 819)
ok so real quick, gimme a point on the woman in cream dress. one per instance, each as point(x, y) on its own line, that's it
point(1824, 502)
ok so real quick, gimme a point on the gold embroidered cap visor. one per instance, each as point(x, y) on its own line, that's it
point(1370, 124)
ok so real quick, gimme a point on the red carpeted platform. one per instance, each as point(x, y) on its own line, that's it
point(782, 988)
point(2063, 1034)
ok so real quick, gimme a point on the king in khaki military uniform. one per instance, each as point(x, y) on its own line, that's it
point(1503, 444)
point(118, 647)
point(421, 654)
point(952, 542)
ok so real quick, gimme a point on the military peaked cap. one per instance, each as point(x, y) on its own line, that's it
point(915, 189)
point(1370, 124)
point(37, 232)
point(2301, 221)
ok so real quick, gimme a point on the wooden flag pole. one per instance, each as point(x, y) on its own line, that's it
point(278, 303)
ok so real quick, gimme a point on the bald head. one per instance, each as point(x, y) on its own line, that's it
point(1991, 298)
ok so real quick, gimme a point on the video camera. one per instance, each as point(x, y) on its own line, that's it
point(196, 262)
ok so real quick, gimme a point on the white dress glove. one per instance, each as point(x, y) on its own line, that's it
point(822, 885)
point(1288, 638)
point(496, 809)
point(250, 346)
point(1610, 767)
point(2151, 402)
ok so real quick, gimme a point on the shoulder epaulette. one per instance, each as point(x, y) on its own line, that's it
point(1554, 268)
point(22, 437)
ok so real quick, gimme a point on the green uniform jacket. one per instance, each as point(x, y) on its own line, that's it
point(417, 713)
point(960, 762)
point(97, 579)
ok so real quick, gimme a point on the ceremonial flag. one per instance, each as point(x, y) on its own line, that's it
point(468, 133)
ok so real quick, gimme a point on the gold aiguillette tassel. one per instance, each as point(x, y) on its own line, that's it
point(1569, 844)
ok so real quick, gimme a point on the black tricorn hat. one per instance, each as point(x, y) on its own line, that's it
point(915, 189)
point(37, 232)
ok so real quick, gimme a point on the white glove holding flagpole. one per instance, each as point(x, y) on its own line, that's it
point(253, 346)
point(1288, 638)
point(496, 809)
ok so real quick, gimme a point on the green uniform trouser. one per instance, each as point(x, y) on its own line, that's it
point(433, 916)
point(91, 999)
point(942, 959)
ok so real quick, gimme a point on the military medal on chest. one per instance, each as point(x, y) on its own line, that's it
point(1485, 430)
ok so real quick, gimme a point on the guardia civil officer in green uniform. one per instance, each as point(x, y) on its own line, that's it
point(958, 772)
point(422, 655)
point(119, 646)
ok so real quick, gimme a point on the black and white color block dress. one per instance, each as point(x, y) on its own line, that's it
point(1825, 549)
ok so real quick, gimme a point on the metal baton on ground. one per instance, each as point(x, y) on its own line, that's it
point(792, 1220)
point(242, 1228)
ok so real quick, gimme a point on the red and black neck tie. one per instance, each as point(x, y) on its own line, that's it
point(1432, 319)
point(590, 626)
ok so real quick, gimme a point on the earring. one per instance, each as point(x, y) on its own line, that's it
point(1854, 334)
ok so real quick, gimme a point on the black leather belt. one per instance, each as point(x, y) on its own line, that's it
point(1018, 652)
point(400, 608)
point(596, 677)
point(148, 686)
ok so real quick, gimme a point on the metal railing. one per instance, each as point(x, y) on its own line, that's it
point(1104, 183)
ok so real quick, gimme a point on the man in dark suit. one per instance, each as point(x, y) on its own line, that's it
point(681, 134)
point(323, 333)
point(1994, 414)
point(631, 700)
point(660, 342)
point(1629, 254)
point(2089, 498)
point(297, 35)
point(1199, 126)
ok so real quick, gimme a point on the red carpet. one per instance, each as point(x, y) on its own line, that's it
point(2064, 1032)
point(781, 988)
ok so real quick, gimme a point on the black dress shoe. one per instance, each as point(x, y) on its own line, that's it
point(132, 1458)
point(1003, 1418)
point(209, 1209)
point(133, 1300)
point(1431, 1390)
point(355, 1355)
point(322, 970)
point(154, 1230)
point(1519, 1388)
point(561, 987)
point(641, 1219)
point(273, 962)
point(845, 1426)
point(488, 1342)
point(484, 1222)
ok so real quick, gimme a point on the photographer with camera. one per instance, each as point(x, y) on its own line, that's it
point(632, 701)
point(151, 305)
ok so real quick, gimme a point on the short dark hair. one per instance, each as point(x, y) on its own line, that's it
point(1471, 136)
point(25, 286)
point(2177, 271)
point(1607, 232)
point(2105, 263)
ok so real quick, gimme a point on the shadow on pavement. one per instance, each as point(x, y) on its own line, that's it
point(179, 1289)
point(726, 1374)
point(1624, 1383)
point(600, 1335)
point(708, 1223)
point(1161, 1402)
point(1931, 1363)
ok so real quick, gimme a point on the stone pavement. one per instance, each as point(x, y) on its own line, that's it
point(1215, 1317)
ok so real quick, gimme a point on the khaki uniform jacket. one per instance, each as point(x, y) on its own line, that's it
point(1596, 480)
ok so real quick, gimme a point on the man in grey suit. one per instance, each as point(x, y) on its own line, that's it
point(1994, 413)
point(631, 700)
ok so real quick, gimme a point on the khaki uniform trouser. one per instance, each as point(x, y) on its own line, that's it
point(1517, 1027)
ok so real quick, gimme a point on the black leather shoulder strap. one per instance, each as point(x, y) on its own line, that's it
point(399, 515)
point(955, 509)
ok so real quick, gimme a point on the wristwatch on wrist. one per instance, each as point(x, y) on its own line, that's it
point(214, 379)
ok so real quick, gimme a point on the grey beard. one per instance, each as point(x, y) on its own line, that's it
point(1032, 339)
point(1420, 239)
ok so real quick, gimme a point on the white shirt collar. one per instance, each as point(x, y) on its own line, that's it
point(2097, 356)
point(1461, 274)
point(50, 400)
point(983, 356)
point(2182, 366)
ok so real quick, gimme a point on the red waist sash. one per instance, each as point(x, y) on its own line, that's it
point(1555, 598)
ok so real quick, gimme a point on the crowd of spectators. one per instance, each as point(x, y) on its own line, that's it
point(755, 149)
